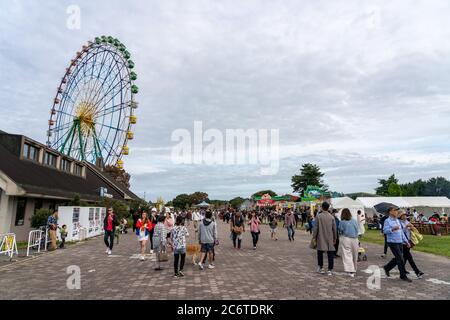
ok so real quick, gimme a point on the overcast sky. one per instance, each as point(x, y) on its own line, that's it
point(361, 88)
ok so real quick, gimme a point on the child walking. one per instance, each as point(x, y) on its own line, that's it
point(159, 241)
point(63, 235)
point(178, 236)
point(273, 224)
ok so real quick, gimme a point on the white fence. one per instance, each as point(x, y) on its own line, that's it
point(8, 244)
point(34, 240)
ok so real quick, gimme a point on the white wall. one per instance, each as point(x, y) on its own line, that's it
point(6, 212)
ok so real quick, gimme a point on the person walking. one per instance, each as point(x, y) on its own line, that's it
point(196, 217)
point(52, 226)
point(385, 248)
point(178, 236)
point(109, 225)
point(63, 235)
point(325, 235)
point(143, 227)
point(169, 223)
point(159, 241)
point(395, 240)
point(237, 228)
point(349, 244)
point(153, 220)
point(407, 256)
point(304, 216)
point(135, 217)
point(273, 225)
point(207, 236)
point(254, 228)
point(289, 223)
point(336, 246)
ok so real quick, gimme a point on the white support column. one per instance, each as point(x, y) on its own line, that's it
point(6, 212)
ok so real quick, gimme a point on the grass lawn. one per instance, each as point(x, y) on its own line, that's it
point(431, 244)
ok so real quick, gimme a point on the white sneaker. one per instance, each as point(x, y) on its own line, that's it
point(211, 266)
point(351, 274)
point(109, 252)
point(106, 250)
point(330, 273)
point(151, 251)
point(142, 258)
point(320, 270)
point(200, 266)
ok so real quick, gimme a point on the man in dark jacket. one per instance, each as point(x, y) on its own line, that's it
point(109, 225)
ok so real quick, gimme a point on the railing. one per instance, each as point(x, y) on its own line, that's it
point(8, 244)
point(34, 240)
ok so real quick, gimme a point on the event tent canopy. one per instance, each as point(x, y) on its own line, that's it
point(203, 204)
point(425, 205)
point(344, 202)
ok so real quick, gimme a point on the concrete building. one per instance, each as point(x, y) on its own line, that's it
point(34, 176)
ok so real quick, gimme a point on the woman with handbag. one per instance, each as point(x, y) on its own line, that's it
point(407, 256)
point(237, 229)
point(254, 228)
point(159, 242)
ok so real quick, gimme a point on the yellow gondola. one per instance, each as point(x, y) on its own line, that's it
point(125, 150)
point(133, 119)
point(130, 135)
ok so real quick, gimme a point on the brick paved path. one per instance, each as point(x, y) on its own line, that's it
point(277, 270)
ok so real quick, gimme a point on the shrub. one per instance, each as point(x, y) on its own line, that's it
point(40, 218)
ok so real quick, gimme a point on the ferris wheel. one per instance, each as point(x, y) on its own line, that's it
point(93, 110)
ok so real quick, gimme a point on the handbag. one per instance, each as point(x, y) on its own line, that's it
point(313, 243)
point(163, 256)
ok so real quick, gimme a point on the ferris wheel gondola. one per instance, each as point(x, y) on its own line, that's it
point(94, 107)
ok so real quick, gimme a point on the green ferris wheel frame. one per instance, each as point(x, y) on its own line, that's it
point(94, 107)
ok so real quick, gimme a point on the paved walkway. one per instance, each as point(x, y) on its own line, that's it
point(276, 270)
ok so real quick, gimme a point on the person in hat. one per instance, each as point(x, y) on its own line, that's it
point(407, 256)
point(395, 240)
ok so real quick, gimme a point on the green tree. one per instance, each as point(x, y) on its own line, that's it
point(310, 174)
point(260, 193)
point(77, 202)
point(139, 205)
point(236, 202)
point(413, 189)
point(438, 186)
point(40, 218)
point(394, 190)
point(383, 189)
point(182, 201)
point(120, 208)
point(198, 197)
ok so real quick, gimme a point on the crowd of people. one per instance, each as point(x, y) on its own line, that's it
point(331, 233)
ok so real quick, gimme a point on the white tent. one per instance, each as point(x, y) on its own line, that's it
point(425, 205)
point(347, 202)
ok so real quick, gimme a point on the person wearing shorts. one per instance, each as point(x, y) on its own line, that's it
point(207, 236)
point(273, 227)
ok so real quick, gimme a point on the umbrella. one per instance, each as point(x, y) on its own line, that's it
point(384, 207)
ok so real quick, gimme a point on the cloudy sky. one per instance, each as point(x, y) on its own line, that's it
point(361, 88)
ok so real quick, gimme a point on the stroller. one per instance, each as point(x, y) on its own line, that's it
point(362, 256)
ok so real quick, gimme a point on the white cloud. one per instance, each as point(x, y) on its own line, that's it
point(361, 89)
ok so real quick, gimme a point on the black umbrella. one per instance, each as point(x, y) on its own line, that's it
point(384, 207)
